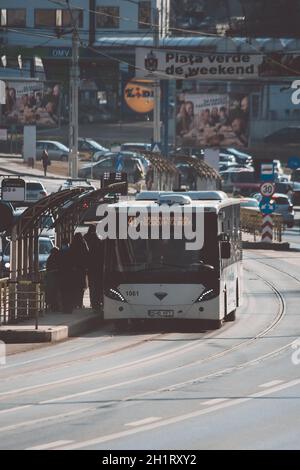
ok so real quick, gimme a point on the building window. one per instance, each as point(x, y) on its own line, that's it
point(107, 17)
point(145, 15)
point(15, 18)
point(45, 18)
point(67, 19)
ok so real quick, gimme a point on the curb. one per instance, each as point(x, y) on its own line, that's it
point(52, 335)
point(284, 246)
point(32, 175)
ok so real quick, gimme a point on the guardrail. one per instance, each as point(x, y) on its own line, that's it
point(21, 300)
point(251, 222)
point(4, 301)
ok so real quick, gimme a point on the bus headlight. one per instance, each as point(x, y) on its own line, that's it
point(207, 294)
point(114, 294)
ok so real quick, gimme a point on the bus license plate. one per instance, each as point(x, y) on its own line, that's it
point(161, 313)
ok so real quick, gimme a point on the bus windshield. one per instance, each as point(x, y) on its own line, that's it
point(156, 255)
point(170, 255)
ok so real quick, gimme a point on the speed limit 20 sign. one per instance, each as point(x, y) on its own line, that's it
point(267, 189)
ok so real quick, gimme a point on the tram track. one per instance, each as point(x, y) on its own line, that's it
point(141, 362)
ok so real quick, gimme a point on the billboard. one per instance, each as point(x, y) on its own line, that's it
point(170, 64)
point(248, 18)
point(212, 120)
point(31, 103)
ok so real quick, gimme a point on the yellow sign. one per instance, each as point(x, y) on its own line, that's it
point(138, 95)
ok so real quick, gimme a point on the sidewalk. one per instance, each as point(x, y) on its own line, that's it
point(14, 165)
point(52, 327)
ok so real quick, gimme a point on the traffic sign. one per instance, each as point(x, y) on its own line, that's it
point(156, 147)
point(267, 189)
point(293, 162)
point(266, 206)
point(267, 172)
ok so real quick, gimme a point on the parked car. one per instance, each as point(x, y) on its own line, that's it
point(286, 135)
point(128, 164)
point(35, 190)
point(135, 147)
point(88, 147)
point(45, 247)
point(240, 181)
point(250, 203)
point(75, 183)
point(283, 206)
point(240, 157)
point(91, 113)
point(56, 150)
point(143, 160)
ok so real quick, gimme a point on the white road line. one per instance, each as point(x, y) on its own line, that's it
point(50, 445)
point(271, 384)
point(15, 408)
point(214, 401)
point(12, 427)
point(180, 418)
point(151, 419)
point(172, 351)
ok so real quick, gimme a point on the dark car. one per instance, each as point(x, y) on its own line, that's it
point(286, 135)
point(114, 162)
point(88, 147)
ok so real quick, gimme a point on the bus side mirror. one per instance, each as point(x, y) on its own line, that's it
point(225, 250)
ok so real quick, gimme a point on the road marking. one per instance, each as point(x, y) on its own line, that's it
point(214, 401)
point(15, 408)
point(172, 351)
point(270, 384)
point(42, 420)
point(151, 419)
point(50, 445)
point(180, 418)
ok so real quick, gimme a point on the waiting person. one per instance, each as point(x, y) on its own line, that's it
point(65, 269)
point(52, 283)
point(149, 177)
point(45, 161)
point(95, 267)
point(79, 254)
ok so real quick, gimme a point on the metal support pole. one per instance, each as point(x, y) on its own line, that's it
point(73, 120)
point(156, 112)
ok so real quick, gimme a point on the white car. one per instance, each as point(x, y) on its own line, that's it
point(35, 190)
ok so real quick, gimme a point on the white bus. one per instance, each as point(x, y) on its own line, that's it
point(161, 278)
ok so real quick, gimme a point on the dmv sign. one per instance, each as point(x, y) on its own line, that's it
point(168, 64)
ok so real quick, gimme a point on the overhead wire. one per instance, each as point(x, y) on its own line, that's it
point(272, 60)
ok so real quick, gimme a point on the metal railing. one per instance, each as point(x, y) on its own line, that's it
point(21, 300)
point(251, 223)
point(4, 301)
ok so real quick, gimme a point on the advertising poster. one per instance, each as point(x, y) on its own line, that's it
point(31, 103)
point(212, 120)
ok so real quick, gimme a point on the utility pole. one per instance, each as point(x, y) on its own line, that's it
point(156, 112)
point(73, 116)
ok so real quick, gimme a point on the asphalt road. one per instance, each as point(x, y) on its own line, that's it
point(234, 388)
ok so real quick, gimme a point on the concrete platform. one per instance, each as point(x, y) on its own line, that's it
point(52, 327)
point(280, 246)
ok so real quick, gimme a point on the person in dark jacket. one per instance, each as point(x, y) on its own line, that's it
point(95, 267)
point(52, 283)
point(45, 161)
point(79, 253)
point(65, 270)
